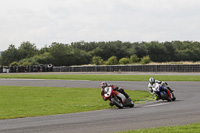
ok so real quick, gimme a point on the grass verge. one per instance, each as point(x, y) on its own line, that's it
point(16, 102)
point(107, 77)
point(191, 128)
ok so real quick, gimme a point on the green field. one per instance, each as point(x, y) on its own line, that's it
point(106, 77)
point(191, 128)
point(16, 102)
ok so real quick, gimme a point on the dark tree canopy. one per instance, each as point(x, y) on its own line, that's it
point(79, 53)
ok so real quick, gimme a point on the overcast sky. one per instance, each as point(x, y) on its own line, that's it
point(45, 21)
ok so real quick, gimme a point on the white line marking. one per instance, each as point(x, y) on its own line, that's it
point(156, 105)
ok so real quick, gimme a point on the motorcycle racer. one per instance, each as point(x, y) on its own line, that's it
point(157, 88)
point(164, 86)
point(152, 81)
point(119, 89)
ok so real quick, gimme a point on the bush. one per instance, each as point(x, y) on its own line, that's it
point(134, 59)
point(44, 58)
point(124, 60)
point(112, 61)
point(97, 60)
point(26, 63)
point(145, 60)
point(15, 63)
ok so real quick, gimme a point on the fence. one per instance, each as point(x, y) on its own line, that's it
point(126, 68)
point(101, 68)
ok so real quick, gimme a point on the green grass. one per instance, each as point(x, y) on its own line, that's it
point(16, 102)
point(107, 77)
point(191, 128)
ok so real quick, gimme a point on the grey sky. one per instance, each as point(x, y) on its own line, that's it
point(45, 21)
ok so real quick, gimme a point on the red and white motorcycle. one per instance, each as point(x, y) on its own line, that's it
point(117, 98)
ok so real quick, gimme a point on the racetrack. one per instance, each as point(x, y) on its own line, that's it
point(154, 114)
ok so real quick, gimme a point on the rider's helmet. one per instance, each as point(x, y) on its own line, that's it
point(151, 80)
point(104, 84)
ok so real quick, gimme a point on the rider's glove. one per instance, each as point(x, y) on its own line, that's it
point(105, 99)
point(159, 82)
point(116, 88)
point(151, 91)
point(155, 94)
point(102, 92)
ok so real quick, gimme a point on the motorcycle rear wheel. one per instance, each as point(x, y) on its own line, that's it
point(132, 104)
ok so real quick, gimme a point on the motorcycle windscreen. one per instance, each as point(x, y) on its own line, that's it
point(107, 92)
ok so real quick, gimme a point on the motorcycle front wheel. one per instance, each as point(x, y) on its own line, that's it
point(165, 96)
point(132, 104)
point(173, 97)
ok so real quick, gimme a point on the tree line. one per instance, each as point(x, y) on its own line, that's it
point(99, 53)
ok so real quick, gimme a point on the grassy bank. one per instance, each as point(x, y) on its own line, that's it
point(191, 128)
point(107, 77)
point(16, 102)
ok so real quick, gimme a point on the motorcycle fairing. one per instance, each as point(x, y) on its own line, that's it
point(123, 98)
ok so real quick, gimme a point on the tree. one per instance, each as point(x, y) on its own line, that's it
point(60, 54)
point(27, 50)
point(79, 57)
point(43, 50)
point(157, 52)
point(140, 49)
point(65, 55)
point(80, 53)
point(171, 51)
point(1, 61)
point(97, 52)
point(10, 55)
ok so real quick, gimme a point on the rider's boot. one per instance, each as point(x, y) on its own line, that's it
point(170, 89)
point(123, 92)
point(157, 98)
point(126, 95)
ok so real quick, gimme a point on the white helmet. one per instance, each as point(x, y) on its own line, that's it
point(151, 80)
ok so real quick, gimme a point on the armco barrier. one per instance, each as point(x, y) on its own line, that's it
point(131, 68)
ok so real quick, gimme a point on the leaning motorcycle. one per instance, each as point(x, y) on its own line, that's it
point(162, 94)
point(117, 98)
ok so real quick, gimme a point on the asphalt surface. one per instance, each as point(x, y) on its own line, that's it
point(185, 110)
